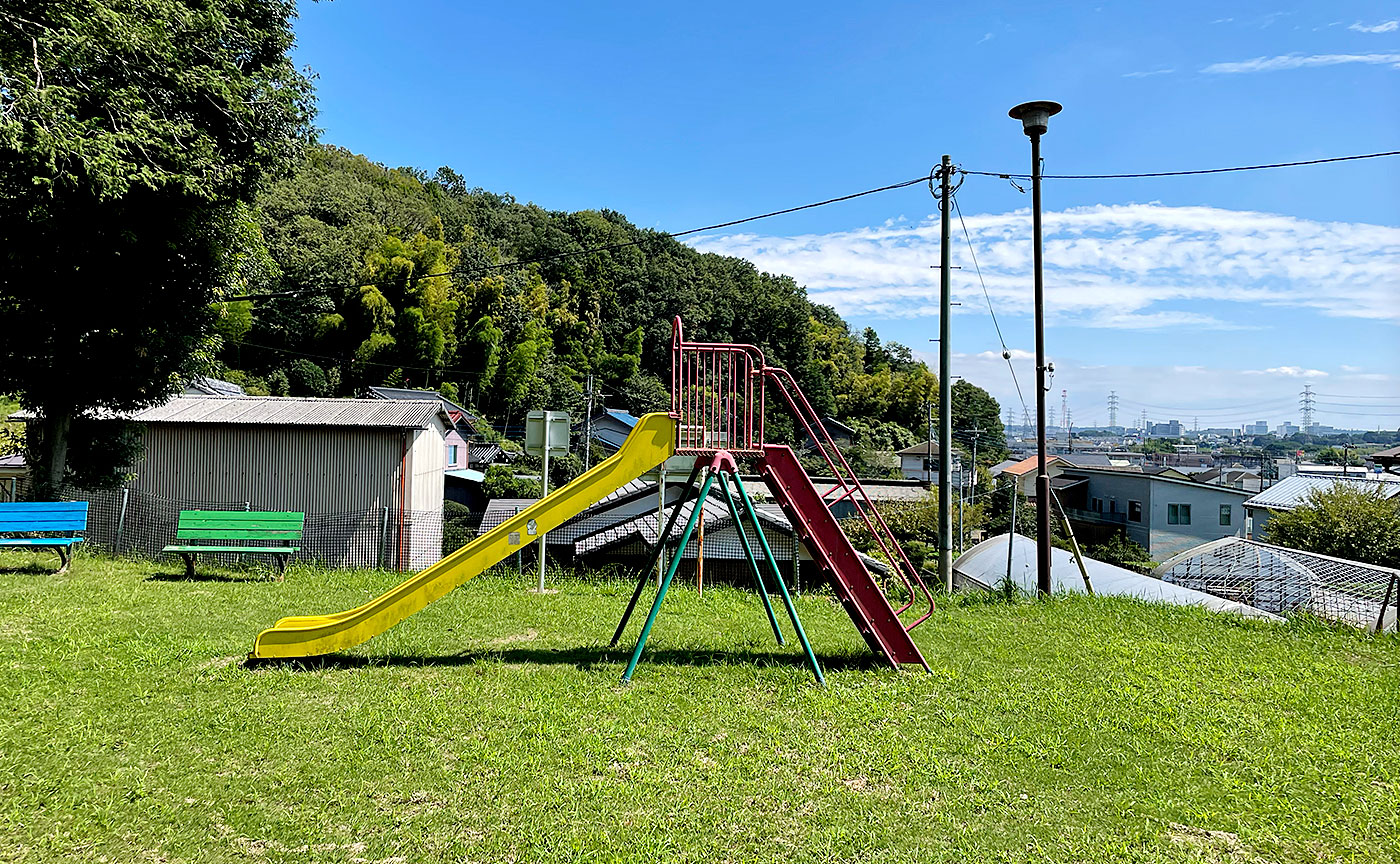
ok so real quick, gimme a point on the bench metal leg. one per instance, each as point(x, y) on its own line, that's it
point(63, 559)
point(189, 564)
point(282, 567)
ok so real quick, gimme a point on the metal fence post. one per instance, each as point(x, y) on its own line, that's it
point(121, 521)
point(383, 536)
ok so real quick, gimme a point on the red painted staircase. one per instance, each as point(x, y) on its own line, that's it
point(861, 596)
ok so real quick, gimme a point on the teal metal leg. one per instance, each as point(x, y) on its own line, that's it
point(666, 582)
point(748, 553)
point(782, 588)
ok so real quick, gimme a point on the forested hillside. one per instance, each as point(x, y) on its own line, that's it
point(349, 295)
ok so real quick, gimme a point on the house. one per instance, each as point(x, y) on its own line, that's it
point(12, 470)
point(202, 385)
point(1165, 514)
point(1387, 460)
point(919, 462)
point(611, 427)
point(367, 473)
point(1024, 473)
point(457, 453)
point(841, 435)
point(1293, 491)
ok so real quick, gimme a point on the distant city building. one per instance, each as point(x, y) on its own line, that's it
point(1284, 429)
point(1170, 429)
point(1258, 427)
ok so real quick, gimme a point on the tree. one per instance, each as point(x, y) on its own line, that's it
point(975, 409)
point(132, 136)
point(1345, 521)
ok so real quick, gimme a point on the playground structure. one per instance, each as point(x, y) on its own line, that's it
point(719, 400)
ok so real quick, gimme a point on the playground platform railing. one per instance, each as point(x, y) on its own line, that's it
point(719, 396)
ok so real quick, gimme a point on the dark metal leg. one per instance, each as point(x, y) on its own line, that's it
point(1380, 619)
point(748, 553)
point(695, 516)
point(189, 564)
point(782, 588)
point(62, 559)
point(282, 566)
point(645, 574)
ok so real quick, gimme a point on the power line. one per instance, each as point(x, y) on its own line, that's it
point(1014, 176)
point(488, 268)
point(1005, 352)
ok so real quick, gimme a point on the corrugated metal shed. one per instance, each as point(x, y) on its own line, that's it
point(1294, 491)
point(284, 411)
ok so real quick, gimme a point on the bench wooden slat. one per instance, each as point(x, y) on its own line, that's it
point(39, 541)
point(237, 534)
point(43, 516)
point(266, 550)
point(43, 525)
point(237, 516)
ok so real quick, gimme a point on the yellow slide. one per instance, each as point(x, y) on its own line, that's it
point(651, 442)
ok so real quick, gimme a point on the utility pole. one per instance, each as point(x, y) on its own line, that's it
point(1112, 408)
point(1035, 117)
point(588, 426)
point(976, 433)
point(945, 380)
point(928, 447)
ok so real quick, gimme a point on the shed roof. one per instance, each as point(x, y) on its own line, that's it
point(284, 411)
point(1294, 491)
point(417, 395)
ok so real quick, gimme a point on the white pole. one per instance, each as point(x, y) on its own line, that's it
point(544, 491)
point(660, 522)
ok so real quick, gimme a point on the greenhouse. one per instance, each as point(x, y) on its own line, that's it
point(1284, 580)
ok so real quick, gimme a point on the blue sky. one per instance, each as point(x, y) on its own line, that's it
point(1215, 298)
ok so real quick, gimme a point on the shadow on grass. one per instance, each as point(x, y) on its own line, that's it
point(585, 659)
point(36, 568)
point(208, 577)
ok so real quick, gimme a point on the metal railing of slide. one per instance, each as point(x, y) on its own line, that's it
point(719, 399)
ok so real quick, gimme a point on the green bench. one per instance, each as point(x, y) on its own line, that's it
point(234, 531)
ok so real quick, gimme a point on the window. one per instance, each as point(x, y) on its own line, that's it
point(451, 454)
point(1224, 514)
point(1134, 511)
point(1113, 505)
point(1098, 505)
point(1178, 514)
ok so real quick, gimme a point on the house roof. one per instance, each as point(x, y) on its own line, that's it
point(1163, 478)
point(1086, 460)
point(484, 454)
point(206, 386)
point(1027, 465)
point(1294, 491)
point(623, 417)
point(284, 411)
point(998, 468)
point(417, 395)
point(923, 448)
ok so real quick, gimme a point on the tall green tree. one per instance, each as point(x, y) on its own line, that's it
point(1343, 521)
point(132, 135)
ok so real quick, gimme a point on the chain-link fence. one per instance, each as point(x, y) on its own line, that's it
point(1279, 579)
point(139, 524)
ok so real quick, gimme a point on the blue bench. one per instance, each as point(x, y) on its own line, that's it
point(60, 521)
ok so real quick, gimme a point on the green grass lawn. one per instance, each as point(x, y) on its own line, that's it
point(492, 727)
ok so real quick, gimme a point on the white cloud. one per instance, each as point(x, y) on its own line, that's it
point(1301, 61)
point(1383, 27)
point(1130, 266)
point(1287, 372)
point(1148, 74)
point(986, 37)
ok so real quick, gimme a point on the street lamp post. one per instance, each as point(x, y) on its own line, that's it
point(1035, 117)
